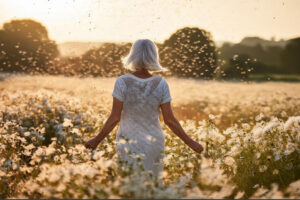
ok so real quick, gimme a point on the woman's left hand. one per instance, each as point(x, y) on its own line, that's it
point(92, 143)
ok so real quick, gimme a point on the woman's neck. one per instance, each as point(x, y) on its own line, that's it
point(142, 73)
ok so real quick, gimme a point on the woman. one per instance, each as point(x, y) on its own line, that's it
point(137, 97)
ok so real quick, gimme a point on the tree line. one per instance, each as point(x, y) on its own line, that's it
point(189, 52)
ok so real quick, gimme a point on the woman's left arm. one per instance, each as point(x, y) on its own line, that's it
point(109, 125)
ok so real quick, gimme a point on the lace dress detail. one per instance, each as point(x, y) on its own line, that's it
point(139, 127)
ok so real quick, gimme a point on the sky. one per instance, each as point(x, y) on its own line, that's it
point(128, 20)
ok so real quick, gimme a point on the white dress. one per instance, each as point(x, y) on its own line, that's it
point(140, 127)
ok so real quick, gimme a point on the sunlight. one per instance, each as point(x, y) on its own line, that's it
point(135, 99)
point(46, 8)
point(119, 20)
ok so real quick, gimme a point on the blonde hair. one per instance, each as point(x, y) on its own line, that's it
point(143, 54)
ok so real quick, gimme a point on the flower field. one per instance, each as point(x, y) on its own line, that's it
point(250, 132)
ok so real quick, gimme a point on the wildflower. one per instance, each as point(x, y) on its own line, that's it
point(67, 122)
point(246, 126)
point(229, 131)
point(54, 177)
point(29, 147)
point(263, 168)
point(271, 125)
point(229, 161)
point(291, 121)
point(49, 151)
point(298, 137)
point(27, 133)
point(259, 117)
point(211, 116)
point(290, 148)
point(283, 114)
point(247, 138)
point(76, 131)
point(257, 155)
point(257, 133)
point(277, 155)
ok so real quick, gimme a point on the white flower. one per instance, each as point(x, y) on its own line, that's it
point(235, 150)
point(229, 131)
point(247, 138)
point(67, 122)
point(263, 168)
point(271, 125)
point(259, 117)
point(27, 134)
point(49, 151)
point(229, 161)
point(246, 126)
point(211, 116)
point(257, 132)
point(29, 147)
point(277, 155)
point(76, 131)
point(298, 137)
point(291, 121)
point(290, 148)
point(283, 114)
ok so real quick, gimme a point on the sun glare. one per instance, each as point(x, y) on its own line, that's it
point(47, 9)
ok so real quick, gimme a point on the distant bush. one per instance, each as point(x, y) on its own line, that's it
point(290, 59)
point(26, 47)
point(189, 52)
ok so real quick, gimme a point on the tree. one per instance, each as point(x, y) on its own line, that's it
point(267, 58)
point(290, 59)
point(105, 60)
point(25, 46)
point(239, 66)
point(189, 52)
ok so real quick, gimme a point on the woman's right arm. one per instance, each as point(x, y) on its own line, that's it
point(171, 121)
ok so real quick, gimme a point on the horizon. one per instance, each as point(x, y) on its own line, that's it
point(216, 41)
point(99, 21)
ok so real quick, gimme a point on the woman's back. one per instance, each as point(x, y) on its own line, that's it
point(140, 117)
point(136, 105)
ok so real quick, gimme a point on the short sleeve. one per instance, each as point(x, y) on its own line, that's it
point(118, 91)
point(166, 97)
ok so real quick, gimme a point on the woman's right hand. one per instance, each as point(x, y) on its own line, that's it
point(196, 146)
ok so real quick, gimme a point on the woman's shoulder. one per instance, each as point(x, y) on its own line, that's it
point(163, 79)
point(162, 82)
point(121, 77)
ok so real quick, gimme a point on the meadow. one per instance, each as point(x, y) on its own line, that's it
point(250, 132)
